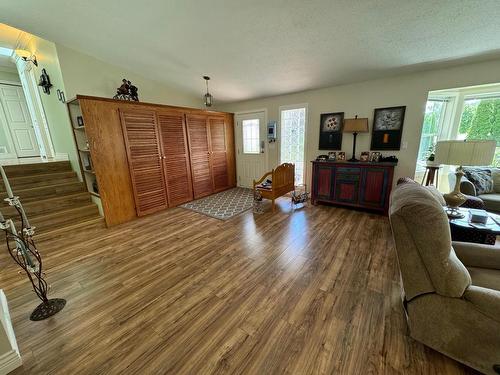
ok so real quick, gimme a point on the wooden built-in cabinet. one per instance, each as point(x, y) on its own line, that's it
point(147, 157)
point(357, 184)
point(176, 165)
point(142, 141)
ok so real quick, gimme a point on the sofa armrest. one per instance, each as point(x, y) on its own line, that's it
point(477, 255)
point(467, 187)
point(485, 300)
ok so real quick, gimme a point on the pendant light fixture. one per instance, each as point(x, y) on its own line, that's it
point(208, 99)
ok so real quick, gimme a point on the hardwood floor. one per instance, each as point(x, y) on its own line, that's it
point(315, 291)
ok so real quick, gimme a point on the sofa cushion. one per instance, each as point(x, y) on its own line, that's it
point(495, 175)
point(481, 178)
point(491, 201)
point(485, 277)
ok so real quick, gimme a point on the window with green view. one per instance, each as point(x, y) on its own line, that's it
point(481, 120)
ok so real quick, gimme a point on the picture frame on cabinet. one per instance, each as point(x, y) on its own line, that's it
point(330, 131)
point(365, 156)
point(375, 156)
point(387, 128)
point(332, 156)
point(341, 156)
point(79, 121)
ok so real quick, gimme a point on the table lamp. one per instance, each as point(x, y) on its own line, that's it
point(460, 153)
point(355, 125)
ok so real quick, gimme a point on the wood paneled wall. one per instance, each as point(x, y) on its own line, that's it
point(109, 151)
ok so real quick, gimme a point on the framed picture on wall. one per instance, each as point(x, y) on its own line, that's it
point(330, 131)
point(387, 128)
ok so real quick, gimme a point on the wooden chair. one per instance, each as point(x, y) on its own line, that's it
point(283, 181)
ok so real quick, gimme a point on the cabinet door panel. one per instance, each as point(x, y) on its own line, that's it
point(144, 158)
point(218, 153)
point(374, 187)
point(324, 184)
point(347, 186)
point(175, 157)
point(200, 155)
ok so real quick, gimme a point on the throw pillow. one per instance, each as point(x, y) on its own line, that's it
point(495, 174)
point(481, 179)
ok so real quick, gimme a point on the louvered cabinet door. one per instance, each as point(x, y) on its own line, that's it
point(218, 153)
point(175, 157)
point(199, 147)
point(144, 158)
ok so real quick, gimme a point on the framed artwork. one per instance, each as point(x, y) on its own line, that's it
point(330, 131)
point(375, 156)
point(79, 120)
point(332, 155)
point(341, 156)
point(387, 128)
point(365, 155)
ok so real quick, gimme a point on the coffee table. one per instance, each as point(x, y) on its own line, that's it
point(463, 230)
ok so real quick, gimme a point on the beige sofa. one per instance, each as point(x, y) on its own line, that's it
point(451, 291)
point(491, 200)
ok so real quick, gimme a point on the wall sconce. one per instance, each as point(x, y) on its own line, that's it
point(26, 56)
point(208, 99)
point(44, 82)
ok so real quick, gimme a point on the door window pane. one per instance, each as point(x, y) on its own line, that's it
point(251, 136)
point(292, 136)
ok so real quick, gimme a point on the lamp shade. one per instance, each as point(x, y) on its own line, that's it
point(356, 125)
point(465, 152)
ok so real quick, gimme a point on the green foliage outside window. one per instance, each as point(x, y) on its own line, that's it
point(481, 120)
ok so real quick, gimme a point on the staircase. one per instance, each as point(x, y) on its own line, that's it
point(55, 201)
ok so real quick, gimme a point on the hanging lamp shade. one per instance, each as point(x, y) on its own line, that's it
point(208, 99)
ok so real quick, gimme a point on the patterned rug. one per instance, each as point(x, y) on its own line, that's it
point(223, 205)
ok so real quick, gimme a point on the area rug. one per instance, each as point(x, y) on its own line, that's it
point(223, 205)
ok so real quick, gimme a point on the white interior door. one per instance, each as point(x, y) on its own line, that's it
point(251, 161)
point(18, 121)
point(35, 107)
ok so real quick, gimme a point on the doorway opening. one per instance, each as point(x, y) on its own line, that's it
point(293, 123)
point(24, 132)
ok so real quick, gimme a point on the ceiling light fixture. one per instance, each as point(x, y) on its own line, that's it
point(26, 56)
point(208, 98)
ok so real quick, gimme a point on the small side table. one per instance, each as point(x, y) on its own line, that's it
point(465, 231)
point(431, 174)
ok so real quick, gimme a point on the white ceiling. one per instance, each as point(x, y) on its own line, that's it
point(258, 48)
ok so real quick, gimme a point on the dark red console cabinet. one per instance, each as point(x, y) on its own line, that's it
point(362, 184)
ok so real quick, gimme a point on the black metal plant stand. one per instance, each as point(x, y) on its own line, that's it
point(25, 254)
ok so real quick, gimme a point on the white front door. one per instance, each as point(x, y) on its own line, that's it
point(251, 161)
point(18, 120)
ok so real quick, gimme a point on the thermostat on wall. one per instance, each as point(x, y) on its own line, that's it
point(271, 131)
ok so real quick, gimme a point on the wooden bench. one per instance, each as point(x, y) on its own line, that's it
point(283, 181)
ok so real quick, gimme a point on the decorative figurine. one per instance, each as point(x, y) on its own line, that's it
point(127, 91)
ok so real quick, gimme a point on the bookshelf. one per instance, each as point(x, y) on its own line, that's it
point(83, 147)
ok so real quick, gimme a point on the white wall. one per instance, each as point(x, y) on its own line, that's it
point(362, 98)
point(86, 75)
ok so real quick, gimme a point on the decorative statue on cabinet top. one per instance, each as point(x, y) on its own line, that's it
point(127, 91)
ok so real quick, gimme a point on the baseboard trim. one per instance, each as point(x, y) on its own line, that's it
point(10, 361)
